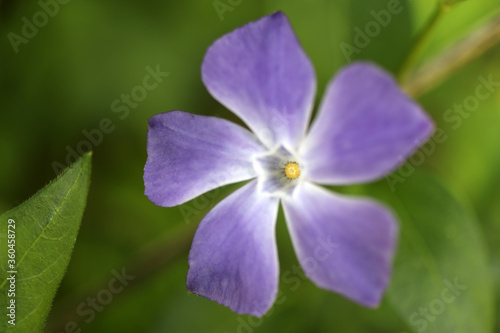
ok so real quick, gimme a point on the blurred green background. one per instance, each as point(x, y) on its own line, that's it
point(63, 81)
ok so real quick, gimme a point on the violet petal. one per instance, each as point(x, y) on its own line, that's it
point(365, 128)
point(344, 244)
point(260, 72)
point(189, 155)
point(233, 258)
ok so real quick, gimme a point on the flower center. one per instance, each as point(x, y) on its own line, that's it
point(279, 172)
point(292, 170)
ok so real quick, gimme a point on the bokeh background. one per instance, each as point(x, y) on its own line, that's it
point(64, 80)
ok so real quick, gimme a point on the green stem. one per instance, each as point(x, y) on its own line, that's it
point(436, 70)
point(421, 40)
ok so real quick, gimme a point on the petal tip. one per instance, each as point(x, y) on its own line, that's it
point(277, 15)
point(372, 304)
point(256, 309)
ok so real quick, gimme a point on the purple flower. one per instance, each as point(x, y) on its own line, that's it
point(365, 127)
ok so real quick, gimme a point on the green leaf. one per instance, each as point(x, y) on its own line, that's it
point(441, 280)
point(46, 227)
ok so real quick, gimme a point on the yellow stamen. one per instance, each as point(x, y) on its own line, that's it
point(292, 170)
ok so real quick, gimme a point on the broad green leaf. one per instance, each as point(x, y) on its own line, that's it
point(441, 281)
point(46, 227)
